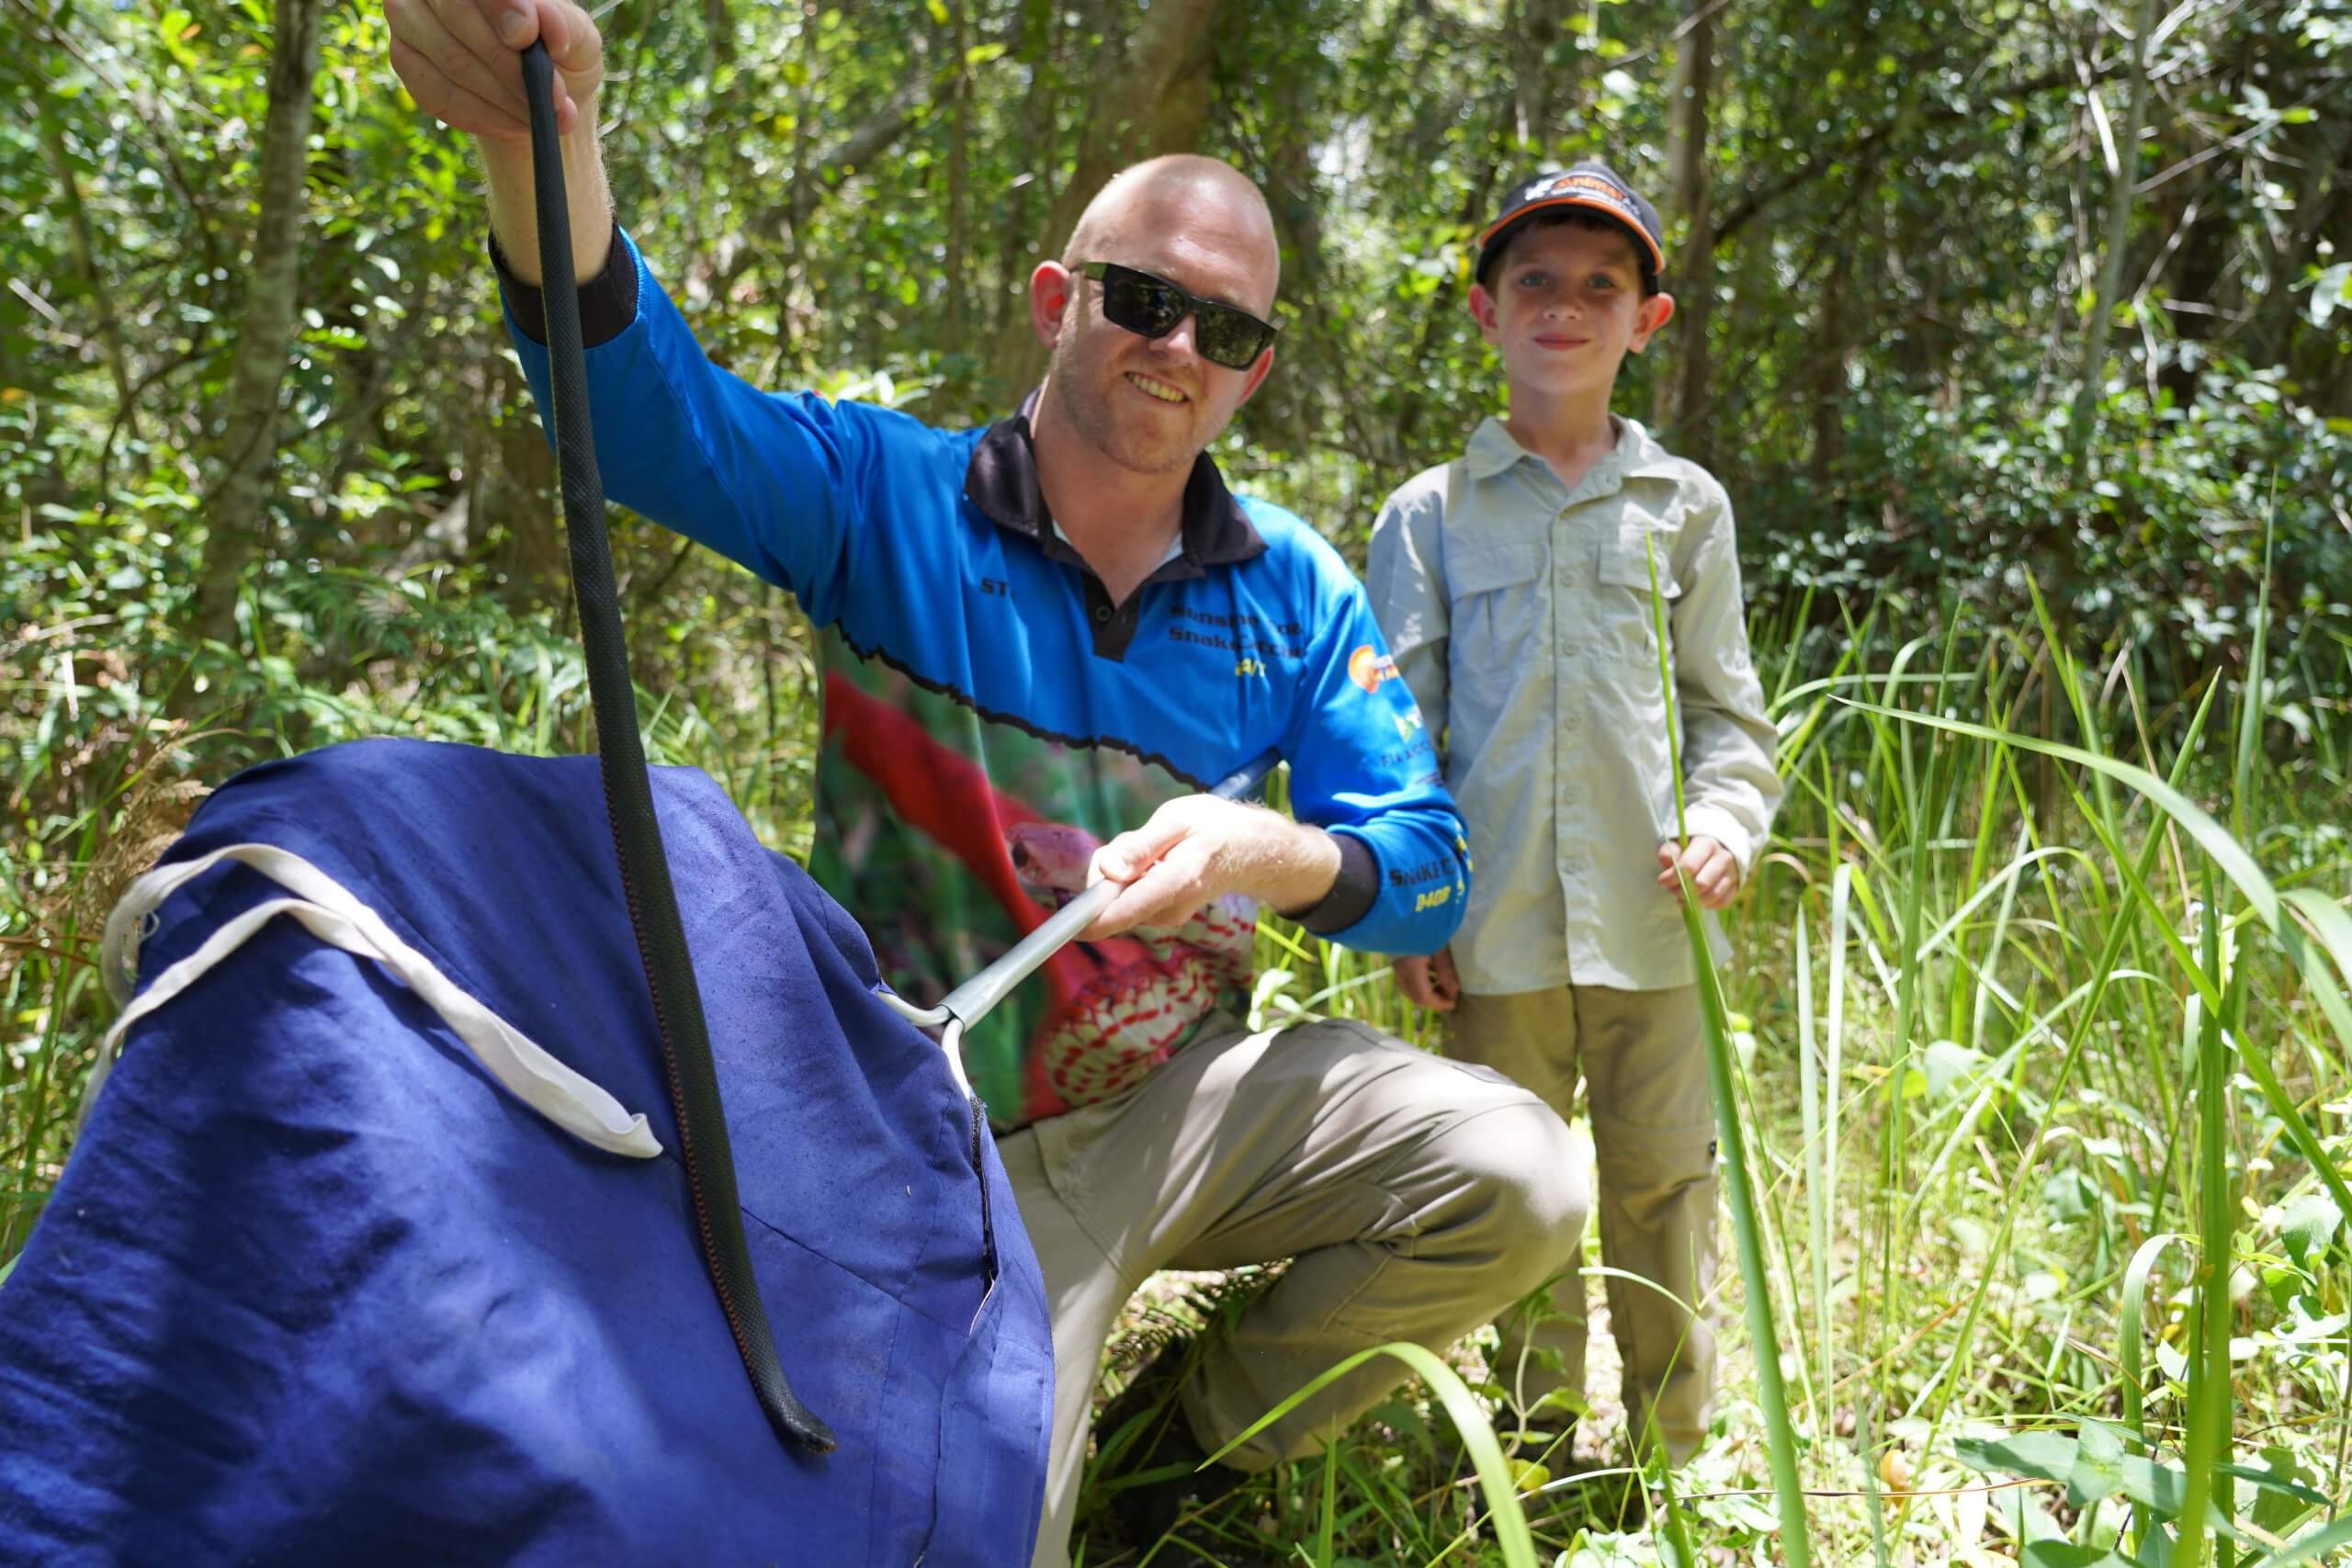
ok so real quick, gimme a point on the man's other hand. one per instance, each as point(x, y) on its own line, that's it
point(461, 61)
point(1429, 982)
point(1197, 849)
point(1713, 874)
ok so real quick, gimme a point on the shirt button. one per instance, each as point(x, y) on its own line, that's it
point(1102, 613)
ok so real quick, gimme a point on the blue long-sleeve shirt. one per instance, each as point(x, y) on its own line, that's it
point(990, 713)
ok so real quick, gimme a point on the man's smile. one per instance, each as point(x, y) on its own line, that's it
point(1152, 386)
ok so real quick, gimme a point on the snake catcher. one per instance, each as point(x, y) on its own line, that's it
point(410, 1226)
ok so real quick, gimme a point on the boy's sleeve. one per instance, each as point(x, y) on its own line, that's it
point(773, 481)
point(1405, 578)
point(1730, 786)
point(1362, 768)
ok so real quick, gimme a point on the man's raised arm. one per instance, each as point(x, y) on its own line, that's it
point(775, 481)
point(461, 61)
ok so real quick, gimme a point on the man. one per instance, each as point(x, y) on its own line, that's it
point(1035, 636)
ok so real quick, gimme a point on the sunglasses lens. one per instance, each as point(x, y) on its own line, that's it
point(1229, 338)
point(1141, 304)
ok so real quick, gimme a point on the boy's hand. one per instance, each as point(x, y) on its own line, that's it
point(1429, 982)
point(1713, 874)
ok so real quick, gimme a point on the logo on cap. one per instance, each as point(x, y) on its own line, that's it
point(1591, 185)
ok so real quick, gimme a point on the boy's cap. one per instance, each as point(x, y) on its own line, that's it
point(1592, 185)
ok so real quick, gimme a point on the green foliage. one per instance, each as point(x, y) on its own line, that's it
point(2161, 548)
point(2094, 1466)
point(1497, 1481)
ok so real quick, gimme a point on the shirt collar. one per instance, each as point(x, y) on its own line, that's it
point(1637, 455)
point(1001, 481)
point(1492, 449)
point(1645, 457)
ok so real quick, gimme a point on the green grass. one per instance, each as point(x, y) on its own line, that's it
point(2041, 1027)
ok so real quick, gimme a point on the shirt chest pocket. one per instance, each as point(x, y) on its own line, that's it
point(1498, 612)
point(1625, 614)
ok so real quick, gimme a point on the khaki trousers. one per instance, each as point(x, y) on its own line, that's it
point(1644, 1067)
point(1415, 1195)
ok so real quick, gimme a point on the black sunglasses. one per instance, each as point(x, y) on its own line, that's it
point(1152, 306)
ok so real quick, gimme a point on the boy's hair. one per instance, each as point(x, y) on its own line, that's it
point(1571, 218)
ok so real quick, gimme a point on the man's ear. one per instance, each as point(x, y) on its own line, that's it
point(1484, 312)
point(1050, 288)
point(1258, 374)
point(1654, 312)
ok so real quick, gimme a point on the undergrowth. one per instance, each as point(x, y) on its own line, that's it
point(2042, 1083)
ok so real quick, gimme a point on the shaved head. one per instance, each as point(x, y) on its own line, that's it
point(1184, 196)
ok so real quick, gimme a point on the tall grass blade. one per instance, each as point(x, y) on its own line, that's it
point(2313, 1548)
point(1833, 1074)
point(2209, 1364)
point(1810, 1093)
point(1325, 1524)
point(2128, 1339)
point(2250, 711)
point(1764, 1345)
point(1676, 1549)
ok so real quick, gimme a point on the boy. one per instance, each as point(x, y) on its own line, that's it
point(1514, 585)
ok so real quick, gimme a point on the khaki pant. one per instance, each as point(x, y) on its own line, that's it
point(1644, 1067)
point(1416, 1196)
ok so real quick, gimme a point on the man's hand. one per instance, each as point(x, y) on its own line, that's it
point(461, 61)
point(1429, 982)
point(1197, 849)
point(1713, 874)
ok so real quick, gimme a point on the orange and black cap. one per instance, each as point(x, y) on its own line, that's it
point(1593, 187)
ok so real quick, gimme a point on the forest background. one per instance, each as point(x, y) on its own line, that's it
point(2019, 330)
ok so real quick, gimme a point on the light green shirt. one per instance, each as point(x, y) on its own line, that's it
point(1523, 625)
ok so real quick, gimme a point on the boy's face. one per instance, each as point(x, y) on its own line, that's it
point(1566, 306)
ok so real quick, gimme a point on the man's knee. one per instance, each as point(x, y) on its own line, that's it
point(1522, 1194)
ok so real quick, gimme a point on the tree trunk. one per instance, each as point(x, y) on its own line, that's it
point(2193, 278)
point(1310, 395)
point(959, 127)
point(88, 279)
point(2327, 193)
point(2126, 175)
point(718, 30)
point(1151, 97)
point(516, 497)
point(1833, 322)
point(1681, 396)
point(236, 512)
point(1536, 28)
point(1036, 31)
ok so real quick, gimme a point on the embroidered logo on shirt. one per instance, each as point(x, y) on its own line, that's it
point(1369, 667)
